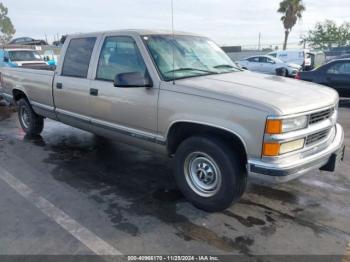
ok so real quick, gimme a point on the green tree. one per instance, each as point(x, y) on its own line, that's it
point(327, 34)
point(292, 11)
point(6, 27)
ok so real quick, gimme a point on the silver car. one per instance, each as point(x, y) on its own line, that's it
point(269, 65)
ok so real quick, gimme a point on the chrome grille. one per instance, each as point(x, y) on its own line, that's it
point(320, 116)
point(317, 137)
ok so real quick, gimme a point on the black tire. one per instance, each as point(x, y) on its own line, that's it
point(232, 172)
point(282, 72)
point(31, 123)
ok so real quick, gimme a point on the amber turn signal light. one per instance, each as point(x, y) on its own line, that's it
point(273, 126)
point(271, 149)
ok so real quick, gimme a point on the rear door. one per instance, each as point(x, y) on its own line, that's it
point(71, 85)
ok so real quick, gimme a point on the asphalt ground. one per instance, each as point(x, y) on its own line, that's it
point(69, 192)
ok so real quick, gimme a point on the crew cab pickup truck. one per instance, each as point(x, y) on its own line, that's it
point(181, 95)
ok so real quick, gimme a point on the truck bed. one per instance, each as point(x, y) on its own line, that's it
point(35, 83)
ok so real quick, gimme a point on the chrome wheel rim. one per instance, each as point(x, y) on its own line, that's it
point(202, 174)
point(25, 118)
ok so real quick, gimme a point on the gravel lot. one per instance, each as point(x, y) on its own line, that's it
point(125, 200)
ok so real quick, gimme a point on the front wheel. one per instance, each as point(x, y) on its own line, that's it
point(31, 123)
point(209, 173)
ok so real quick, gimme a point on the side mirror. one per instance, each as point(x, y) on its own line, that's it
point(133, 79)
point(6, 59)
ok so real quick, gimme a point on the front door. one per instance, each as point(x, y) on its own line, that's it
point(133, 109)
point(253, 64)
point(266, 65)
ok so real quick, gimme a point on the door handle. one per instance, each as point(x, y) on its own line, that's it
point(59, 85)
point(93, 92)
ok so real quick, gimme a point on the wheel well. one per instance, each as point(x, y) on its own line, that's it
point(18, 94)
point(181, 131)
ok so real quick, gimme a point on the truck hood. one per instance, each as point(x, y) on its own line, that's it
point(280, 95)
point(21, 63)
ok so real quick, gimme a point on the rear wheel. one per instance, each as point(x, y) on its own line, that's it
point(209, 173)
point(31, 122)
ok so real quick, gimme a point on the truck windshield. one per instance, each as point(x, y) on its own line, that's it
point(193, 56)
point(24, 56)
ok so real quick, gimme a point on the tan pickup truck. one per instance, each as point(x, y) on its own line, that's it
point(181, 95)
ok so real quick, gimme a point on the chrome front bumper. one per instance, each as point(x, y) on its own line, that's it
point(288, 170)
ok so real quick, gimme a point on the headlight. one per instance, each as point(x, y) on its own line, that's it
point(291, 146)
point(335, 114)
point(279, 126)
point(276, 149)
point(295, 123)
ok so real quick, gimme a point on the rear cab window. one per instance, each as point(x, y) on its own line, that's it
point(77, 58)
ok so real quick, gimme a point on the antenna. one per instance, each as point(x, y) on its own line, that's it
point(173, 36)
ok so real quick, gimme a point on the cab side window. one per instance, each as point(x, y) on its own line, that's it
point(119, 54)
point(77, 57)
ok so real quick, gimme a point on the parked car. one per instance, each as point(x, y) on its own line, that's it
point(269, 65)
point(181, 95)
point(335, 74)
point(50, 57)
point(299, 57)
point(21, 58)
point(27, 41)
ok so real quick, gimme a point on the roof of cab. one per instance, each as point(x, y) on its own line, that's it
point(135, 32)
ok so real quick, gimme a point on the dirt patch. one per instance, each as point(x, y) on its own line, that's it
point(248, 222)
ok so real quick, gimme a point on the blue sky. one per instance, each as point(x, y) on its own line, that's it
point(236, 22)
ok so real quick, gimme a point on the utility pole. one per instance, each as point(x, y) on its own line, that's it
point(259, 43)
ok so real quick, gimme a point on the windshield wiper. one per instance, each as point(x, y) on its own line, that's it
point(190, 69)
point(224, 66)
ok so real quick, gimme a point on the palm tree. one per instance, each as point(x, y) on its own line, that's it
point(292, 11)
